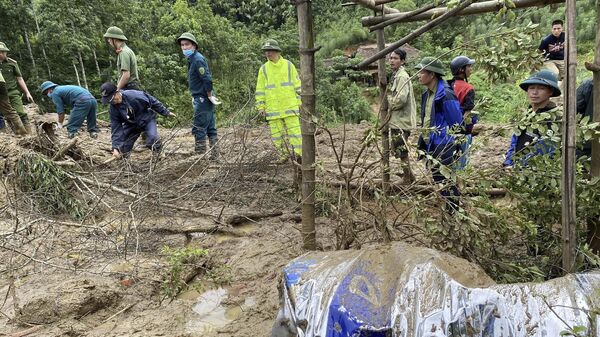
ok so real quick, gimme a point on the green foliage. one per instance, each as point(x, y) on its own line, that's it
point(497, 102)
point(48, 184)
point(178, 259)
point(339, 98)
point(221, 275)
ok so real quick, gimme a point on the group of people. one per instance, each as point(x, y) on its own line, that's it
point(132, 110)
point(447, 112)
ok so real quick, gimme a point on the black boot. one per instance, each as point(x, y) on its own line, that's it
point(214, 148)
point(200, 147)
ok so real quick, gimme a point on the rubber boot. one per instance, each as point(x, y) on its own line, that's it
point(26, 124)
point(200, 147)
point(214, 148)
point(407, 175)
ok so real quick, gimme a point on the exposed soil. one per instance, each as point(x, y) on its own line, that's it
point(102, 275)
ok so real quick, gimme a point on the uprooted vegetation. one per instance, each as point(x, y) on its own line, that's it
point(97, 247)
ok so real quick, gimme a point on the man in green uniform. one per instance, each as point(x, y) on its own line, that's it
point(128, 78)
point(14, 82)
point(7, 111)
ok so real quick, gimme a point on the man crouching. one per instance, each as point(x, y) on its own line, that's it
point(131, 113)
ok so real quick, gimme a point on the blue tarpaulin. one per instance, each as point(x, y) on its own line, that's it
point(405, 291)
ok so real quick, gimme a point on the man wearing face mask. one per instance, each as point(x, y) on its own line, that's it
point(81, 102)
point(200, 85)
point(131, 113)
point(128, 77)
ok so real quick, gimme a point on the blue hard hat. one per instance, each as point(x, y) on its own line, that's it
point(543, 77)
point(47, 85)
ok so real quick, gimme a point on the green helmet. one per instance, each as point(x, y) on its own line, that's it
point(432, 64)
point(543, 77)
point(187, 36)
point(115, 33)
point(271, 44)
point(3, 47)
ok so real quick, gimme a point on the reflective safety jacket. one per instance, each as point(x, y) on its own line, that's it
point(277, 89)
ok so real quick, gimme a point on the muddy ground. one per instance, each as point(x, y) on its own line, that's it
point(104, 274)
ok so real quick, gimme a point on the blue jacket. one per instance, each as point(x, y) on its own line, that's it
point(65, 96)
point(199, 77)
point(136, 110)
point(445, 114)
point(528, 144)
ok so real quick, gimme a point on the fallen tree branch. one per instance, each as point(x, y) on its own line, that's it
point(28, 331)
point(64, 150)
point(238, 219)
point(121, 311)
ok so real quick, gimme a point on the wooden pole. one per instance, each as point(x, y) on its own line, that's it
point(416, 33)
point(383, 114)
point(373, 5)
point(476, 8)
point(399, 18)
point(594, 224)
point(569, 225)
point(307, 112)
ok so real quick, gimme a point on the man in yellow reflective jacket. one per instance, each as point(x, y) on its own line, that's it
point(278, 99)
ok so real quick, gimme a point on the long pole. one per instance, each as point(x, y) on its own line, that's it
point(476, 8)
point(414, 34)
point(569, 230)
point(383, 114)
point(594, 225)
point(307, 112)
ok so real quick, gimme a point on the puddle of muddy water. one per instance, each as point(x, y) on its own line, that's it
point(210, 314)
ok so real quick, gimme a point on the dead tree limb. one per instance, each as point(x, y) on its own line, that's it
point(238, 219)
point(378, 7)
point(64, 150)
point(476, 8)
point(401, 17)
point(414, 34)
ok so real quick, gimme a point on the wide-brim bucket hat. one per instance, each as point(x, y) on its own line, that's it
point(543, 77)
point(271, 44)
point(431, 64)
point(47, 85)
point(188, 36)
point(115, 32)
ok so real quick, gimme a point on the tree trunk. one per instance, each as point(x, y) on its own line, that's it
point(96, 63)
point(26, 39)
point(594, 224)
point(569, 225)
point(82, 70)
point(76, 72)
point(307, 112)
point(37, 26)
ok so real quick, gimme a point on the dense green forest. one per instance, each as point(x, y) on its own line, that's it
point(61, 40)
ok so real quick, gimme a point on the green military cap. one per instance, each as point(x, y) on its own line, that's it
point(115, 33)
point(3, 47)
point(187, 36)
point(271, 44)
point(432, 64)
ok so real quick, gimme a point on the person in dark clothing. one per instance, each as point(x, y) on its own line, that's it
point(461, 67)
point(553, 49)
point(585, 108)
point(539, 87)
point(440, 111)
point(131, 113)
